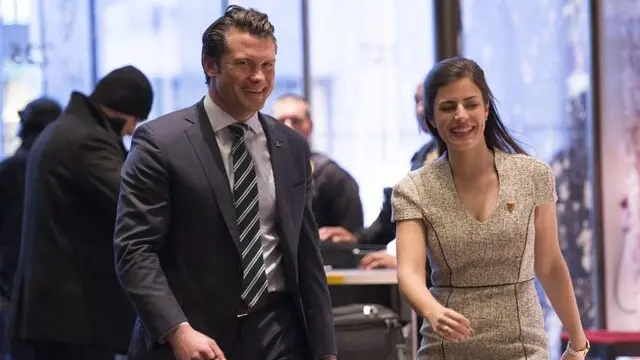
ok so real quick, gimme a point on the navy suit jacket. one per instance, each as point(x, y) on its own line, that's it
point(176, 234)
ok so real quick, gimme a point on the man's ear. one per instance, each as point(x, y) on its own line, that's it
point(210, 65)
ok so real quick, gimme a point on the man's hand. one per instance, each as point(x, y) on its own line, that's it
point(336, 234)
point(379, 259)
point(189, 344)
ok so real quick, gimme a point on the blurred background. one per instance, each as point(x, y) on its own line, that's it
point(566, 74)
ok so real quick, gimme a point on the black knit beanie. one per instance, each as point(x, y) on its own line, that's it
point(126, 90)
point(37, 115)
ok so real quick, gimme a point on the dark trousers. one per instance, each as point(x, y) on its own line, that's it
point(271, 333)
point(47, 350)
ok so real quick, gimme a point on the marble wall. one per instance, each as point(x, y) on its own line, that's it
point(620, 165)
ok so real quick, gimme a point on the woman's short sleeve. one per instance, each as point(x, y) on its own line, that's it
point(405, 200)
point(545, 184)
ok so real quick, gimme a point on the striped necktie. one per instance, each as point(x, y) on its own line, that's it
point(245, 196)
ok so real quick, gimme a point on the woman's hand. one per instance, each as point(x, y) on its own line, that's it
point(449, 325)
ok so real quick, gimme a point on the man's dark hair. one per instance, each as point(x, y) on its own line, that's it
point(251, 21)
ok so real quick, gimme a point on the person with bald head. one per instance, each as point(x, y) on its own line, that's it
point(336, 195)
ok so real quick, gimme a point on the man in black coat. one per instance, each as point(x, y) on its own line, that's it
point(33, 119)
point(67, 301)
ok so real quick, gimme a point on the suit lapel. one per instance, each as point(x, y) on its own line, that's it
point(206, 149)
point(280, 159)
point(202, 139)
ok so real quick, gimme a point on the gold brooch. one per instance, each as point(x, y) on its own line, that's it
point(511, 205)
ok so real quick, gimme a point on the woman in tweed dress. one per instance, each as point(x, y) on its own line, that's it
point(484, 215)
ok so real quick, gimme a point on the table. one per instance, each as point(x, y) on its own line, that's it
point(362, 277)
point(344, 277)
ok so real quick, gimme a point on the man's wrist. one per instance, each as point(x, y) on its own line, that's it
point(171, 333)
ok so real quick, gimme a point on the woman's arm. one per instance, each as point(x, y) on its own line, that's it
point(412, 259)
point(551, 269)
point(411, 251)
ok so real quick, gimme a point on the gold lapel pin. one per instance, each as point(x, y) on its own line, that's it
point(511, 205)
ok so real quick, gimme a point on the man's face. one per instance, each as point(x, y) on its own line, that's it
point(293, 113)
point(129, 121)
point(130, 124)
point(246, 74)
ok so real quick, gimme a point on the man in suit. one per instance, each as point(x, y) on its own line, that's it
point(215, 241)
point(67, 300)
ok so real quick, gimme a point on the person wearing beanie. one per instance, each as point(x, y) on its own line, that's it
point(124, 94)
point(33, 119)
point(67, 303)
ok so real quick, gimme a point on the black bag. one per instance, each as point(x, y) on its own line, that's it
point(368, 332)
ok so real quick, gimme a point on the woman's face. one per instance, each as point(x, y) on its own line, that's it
point(460, 114)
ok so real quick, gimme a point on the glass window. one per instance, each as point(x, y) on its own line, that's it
point(536, 57)
point(41, 55)
point(286, 17)
point(15, 12)
point(163, 38)
point(366, 62)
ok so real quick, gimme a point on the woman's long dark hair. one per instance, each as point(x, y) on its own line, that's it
point(456, 68)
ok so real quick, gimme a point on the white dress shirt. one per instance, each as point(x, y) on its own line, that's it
point(391, 247)
point(256, 143)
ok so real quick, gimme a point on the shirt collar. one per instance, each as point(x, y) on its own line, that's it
point(220, 119)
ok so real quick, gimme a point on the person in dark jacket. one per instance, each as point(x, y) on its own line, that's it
point(336, 196)
point(383, 230)
point(68, 303)
point(33, 119)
